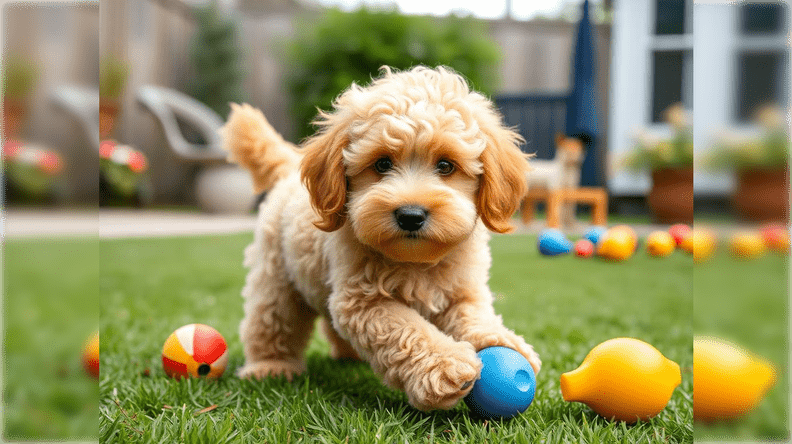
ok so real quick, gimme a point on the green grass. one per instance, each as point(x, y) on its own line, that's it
point(747, 302)
point(563, 306)
point(50, 307)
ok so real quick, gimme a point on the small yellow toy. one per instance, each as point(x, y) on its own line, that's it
point(747, 245)
point(624, 379)
point(628, 231)
point(617, 244)
point(700, 243)
point(660, 244)
point(728, 381)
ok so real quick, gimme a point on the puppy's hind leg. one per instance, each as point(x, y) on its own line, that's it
point(340, 348)
point(277, 323)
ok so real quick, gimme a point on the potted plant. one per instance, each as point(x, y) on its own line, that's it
point(19, 80)
point(122, 178)
point(34, 174)
point(670, 161)
point(760, 165)
point(112, 80)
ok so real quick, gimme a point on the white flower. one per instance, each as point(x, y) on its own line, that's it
point(121, 154)
point(30, 155)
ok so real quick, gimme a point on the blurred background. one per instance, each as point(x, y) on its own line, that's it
point(286, 57)
point(116, 109)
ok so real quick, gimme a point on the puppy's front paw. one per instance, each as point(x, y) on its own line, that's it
point(529, 353)
point(508, 339)
point(439, 381)
point(267, 368)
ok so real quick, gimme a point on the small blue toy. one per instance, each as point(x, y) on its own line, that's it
point(506, 387)
point(595, 234)
point(553, 242)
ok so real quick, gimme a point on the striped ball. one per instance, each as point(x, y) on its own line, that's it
point(195, 350)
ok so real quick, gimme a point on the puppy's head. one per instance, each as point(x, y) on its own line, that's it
point(411, 162)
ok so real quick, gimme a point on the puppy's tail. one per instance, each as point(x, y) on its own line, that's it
point(254, 144)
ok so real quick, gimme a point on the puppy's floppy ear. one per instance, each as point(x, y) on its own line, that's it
point(504, 181)
point(322, 172)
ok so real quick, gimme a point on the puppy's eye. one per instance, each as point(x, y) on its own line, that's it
point(445, 167)
point(383, 165)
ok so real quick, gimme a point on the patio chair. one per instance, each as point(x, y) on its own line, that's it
point(82, 103)
point(220, 186)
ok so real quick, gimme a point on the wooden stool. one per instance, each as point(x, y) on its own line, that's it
point(595, 196)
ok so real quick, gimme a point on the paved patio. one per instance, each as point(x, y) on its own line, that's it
point(120, 223)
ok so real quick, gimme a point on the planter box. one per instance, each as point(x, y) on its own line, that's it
point(762, 194)
point(108, 112)
point(14, 113)
point(671, 198)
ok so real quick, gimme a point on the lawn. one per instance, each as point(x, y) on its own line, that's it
point(747, 302)
point(564, 306)
point(50, 307)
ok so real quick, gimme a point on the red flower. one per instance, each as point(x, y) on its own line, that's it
point(106, 149)
point(11, 148)
point(137, 162)
point(50, 163)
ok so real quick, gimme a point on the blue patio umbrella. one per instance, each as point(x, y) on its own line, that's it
point(581, 116)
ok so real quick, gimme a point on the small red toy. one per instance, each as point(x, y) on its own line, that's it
point(776, 237)
point(584, 248)
point(679, 232)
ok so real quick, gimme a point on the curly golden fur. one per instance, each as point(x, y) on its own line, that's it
point(411, 298)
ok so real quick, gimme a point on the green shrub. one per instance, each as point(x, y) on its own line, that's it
point(113, 75)
point(19, 77)
point(328, 54)
point(216, 56)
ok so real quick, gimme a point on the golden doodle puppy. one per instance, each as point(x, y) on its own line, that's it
point(378, 223)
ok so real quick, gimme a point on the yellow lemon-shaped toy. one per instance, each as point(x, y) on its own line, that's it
point(700, 243)
point(660, 244)
point(617, 244)
point(728, 381)
point(624, 379)
point(747, 245)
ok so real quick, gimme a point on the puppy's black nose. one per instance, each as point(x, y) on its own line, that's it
point(410, 217)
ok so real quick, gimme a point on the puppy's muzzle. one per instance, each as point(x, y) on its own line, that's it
point(410, 217)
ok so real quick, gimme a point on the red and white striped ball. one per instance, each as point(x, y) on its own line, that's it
point(195, 350)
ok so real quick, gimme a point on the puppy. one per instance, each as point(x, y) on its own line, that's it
point(378, 224)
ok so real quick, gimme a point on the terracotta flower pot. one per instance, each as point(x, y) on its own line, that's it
point(762, 194)
point(108, 111)
point(671, 198)
point(14, 113)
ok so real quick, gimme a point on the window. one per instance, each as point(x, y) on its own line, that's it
point(670, 58)
point(761, 58)
point(762, 18)
point(759, 81)
point(668, 78)
point(670, 17)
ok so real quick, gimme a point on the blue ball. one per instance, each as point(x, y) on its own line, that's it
point(594, 234)
point(506, 387)
point(552, 242)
